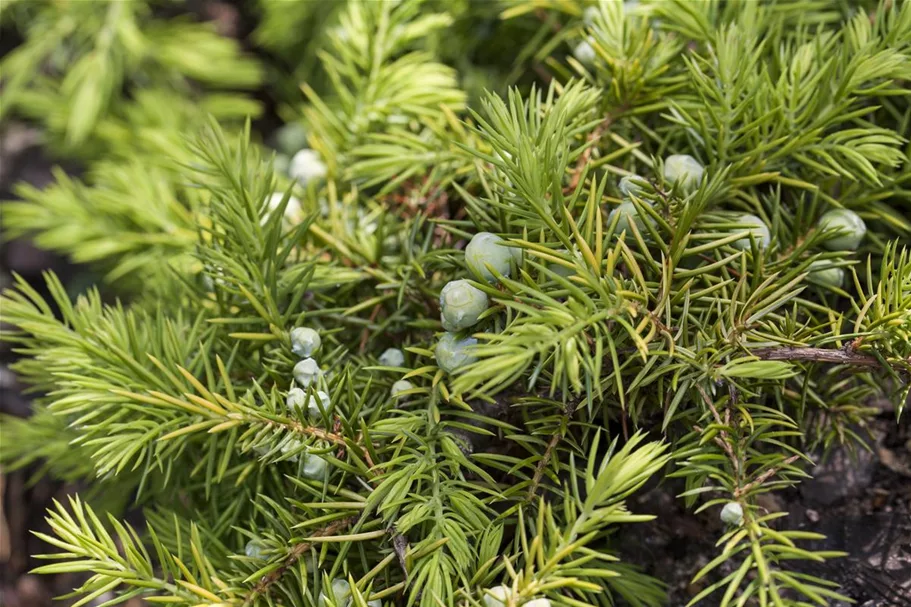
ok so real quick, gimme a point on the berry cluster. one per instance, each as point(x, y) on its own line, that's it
point(462, 304)
point(842, 229)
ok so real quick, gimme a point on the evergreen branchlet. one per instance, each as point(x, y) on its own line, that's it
point(668, 326)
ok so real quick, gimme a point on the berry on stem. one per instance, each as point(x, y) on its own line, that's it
point(255, 549)
point(392, 357)
point(628, 214)
point(486, 249)
point(291, 137)
point(401, 386)
point(824, 274)
point(306, 166)
point(452, 353)
point(684, 170)
point(848, 226)
point(315, 404)
point(305, 341)
point(758, 230)
point(306, 372)
point(732, 513)
point(629, 185)
point(292, 210)
point(497, 596)
point(585, 53)
point(314, 467)
point(461, 305)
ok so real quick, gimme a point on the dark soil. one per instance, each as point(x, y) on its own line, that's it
point(861, 502)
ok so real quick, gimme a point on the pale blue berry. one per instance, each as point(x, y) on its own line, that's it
point(305, 341)
point(291, 137)
point(401, 386)
point(452, 353)
point(630, 186)
point(732, 513)
point(627, 215)
point(292, 447)
point(340, 590)
point(684, 170)
point(758, 230)
point(392, 357)
point(292, 209)
point(848, 226)
point(488, 251)
point(537, 603)
point(281, 164)
point(306, 372)
point(306, 166)
point(314, 404)
point(498, 596)
point(314, 467)
point(461, 304)
point(255, 549)
point(585, 53)
point(825, 274)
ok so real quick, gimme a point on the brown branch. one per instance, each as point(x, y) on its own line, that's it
point(400, 545)
point(587, 152)
point(821, 355)
point(724, 440)
point(764, 477)
point(296, 553)
point(539, 469)
point(548, 453)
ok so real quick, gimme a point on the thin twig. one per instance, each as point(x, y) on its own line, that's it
point(542, 463)
point(821, 355)
point(723, 441)
point(296, 553)
point(400, 545)
point(764, 476)
point(548, 453)
point(587, 152)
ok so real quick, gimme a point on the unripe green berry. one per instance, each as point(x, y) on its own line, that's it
point(684, 170)
point(255, 549)
point(392, 357)
point(825, 274)
point(486, 249)
point(305, 341)
point(314, 404)
point(291, 138)
point(452, 353)
point(758, 230)
point(850, 229)
point(461, 304)
point(306, 372)
point(306, 166)
point(629, 186)
point(732, 513)
point(401, 386)
point(497, 596)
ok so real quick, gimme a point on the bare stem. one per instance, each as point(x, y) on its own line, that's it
point(822, 355)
